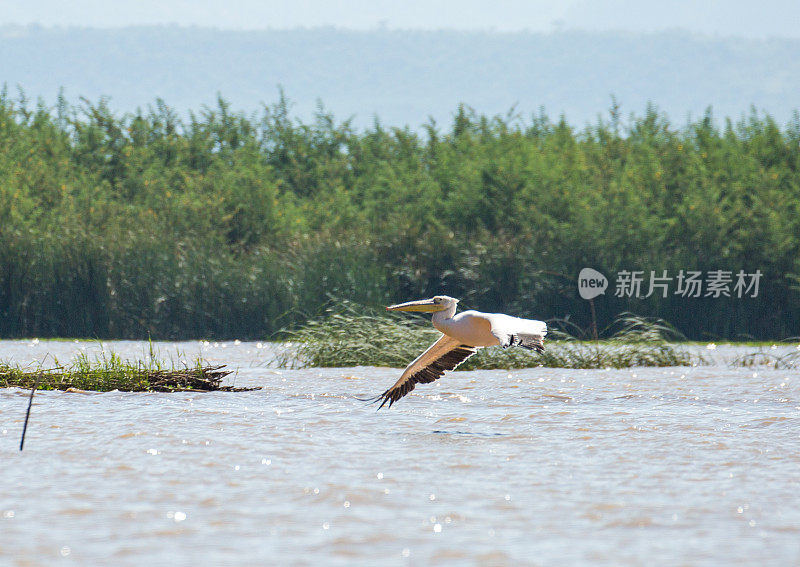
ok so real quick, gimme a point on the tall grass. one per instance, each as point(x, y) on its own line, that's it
point(349, 338)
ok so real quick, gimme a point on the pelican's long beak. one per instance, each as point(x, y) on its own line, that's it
point(424, 305)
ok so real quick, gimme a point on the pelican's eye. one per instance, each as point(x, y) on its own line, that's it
point(437, 300)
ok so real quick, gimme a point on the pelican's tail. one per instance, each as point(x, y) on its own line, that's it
point(530, 342)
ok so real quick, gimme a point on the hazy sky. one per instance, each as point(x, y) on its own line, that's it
point(749, 18)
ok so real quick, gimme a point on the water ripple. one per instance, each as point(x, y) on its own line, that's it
point(550, 466)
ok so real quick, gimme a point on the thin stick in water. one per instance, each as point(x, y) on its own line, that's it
point(28, 413)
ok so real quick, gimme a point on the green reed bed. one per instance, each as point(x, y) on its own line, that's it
point(109, 372)
point(230, 225)
point(350, 339)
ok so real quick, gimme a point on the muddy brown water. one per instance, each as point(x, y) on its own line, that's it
point(643, 466)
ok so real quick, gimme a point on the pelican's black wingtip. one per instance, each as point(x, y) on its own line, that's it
point(383, 398)
point(386, 398)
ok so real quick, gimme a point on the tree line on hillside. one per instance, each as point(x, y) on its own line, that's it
point(230, 225)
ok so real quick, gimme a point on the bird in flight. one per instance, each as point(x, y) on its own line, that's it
point(463, 335)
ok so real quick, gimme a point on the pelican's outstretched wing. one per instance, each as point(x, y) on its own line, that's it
point(445, 354)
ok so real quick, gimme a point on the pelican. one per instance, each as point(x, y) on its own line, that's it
point(463, 335)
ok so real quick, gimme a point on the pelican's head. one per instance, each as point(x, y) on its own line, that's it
point(437, 303)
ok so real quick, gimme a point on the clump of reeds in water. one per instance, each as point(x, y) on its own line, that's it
point(764, 357)
point(348, 338)
point(109, 372)
point(351, 338)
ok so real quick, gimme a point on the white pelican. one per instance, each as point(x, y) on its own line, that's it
point(463, 335)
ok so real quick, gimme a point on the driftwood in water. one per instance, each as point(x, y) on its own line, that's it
point(205, 378)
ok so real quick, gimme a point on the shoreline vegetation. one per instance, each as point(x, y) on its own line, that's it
point(109, 372)
point(229, 225)
point(354, 336)
point(351, 335)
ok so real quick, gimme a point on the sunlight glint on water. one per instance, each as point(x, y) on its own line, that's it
point(542, 466)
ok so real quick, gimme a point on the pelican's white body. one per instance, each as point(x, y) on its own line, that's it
point(478, 329)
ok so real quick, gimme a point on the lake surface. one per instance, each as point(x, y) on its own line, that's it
point(667, 466)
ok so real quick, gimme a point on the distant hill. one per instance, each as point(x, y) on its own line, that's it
point(404, 77)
